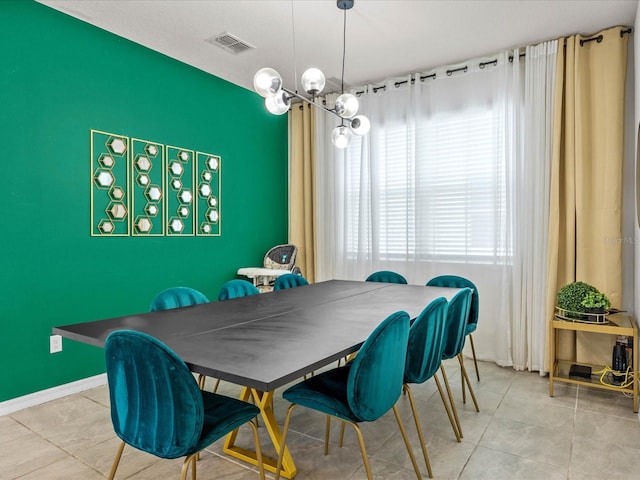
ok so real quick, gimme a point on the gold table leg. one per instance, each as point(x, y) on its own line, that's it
point(264, 401)
point(553, 352)
point(635, 372)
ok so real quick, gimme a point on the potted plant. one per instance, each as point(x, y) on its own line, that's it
point(570, 298)
point(596, 302)
point(581, 301)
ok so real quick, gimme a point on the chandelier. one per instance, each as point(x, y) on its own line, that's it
point(277, 99)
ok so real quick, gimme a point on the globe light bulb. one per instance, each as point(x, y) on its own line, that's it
point(313, 81)
point(360, 125)
point(267, 82)
point(341, 136)
point(347, 105)
point(278, 103)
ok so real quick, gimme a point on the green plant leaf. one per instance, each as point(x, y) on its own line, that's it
point(570, 296)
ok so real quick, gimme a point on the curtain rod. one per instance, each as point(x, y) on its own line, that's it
point(433, 76)
point(461, 69)
point(494, 62)
point(597, 39)
point(600, 37)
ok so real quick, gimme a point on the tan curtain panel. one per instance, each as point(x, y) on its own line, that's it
point(302, 181)
point(586, 176)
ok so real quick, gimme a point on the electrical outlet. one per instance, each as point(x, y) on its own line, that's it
point(55, 343)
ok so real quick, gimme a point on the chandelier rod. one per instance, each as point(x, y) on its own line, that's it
point(293, 35)
point(344, 47)
point(311, 102)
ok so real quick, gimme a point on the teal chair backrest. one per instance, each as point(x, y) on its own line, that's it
point(426, 342)
point(156, 405)
point(237, 288)
point(387, 277)
point(376, 373)
point(455, 281)
point(177, 297)
point(457, 315)
point(289, 280)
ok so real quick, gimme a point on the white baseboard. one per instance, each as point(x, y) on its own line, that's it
point(49, 394)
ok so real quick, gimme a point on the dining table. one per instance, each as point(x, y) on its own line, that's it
point(266, 341)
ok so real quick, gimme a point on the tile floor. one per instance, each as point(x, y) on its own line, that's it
point(520, 433)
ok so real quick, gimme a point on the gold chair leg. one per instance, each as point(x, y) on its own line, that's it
point(190, 460)
point(327, 430)
point(256, 440)
point(116, 461)
point(283, 442)
point(251, 399)
point(407, 390)
point(446, 407)
point(340, 441)
point(451, 402)
point(475, 361)
point(463, 372)
point(464, 390)
point(363, 450)
point(406, 442)
point(202, 379)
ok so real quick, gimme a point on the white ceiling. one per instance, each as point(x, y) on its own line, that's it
point(384, 39)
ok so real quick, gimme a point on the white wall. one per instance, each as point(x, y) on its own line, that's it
point(630, 231)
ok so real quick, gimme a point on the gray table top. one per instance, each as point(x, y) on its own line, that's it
point(265, 341)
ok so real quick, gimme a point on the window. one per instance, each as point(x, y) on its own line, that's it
point(438, 193)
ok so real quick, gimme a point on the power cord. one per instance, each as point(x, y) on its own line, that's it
point(608, 377)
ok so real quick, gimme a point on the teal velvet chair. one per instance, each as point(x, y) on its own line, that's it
point(387, 277)
point(424, 355)
point(289, 280)
point(362, 390)
point(472, 323)
point(176, 297)
point(457, 315)
point(157, 407)
point(237, 288)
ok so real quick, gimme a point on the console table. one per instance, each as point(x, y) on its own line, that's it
point(618, 325)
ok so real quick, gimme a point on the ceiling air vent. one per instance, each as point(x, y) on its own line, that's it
point(230, 43)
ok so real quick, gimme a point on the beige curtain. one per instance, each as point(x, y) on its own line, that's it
point(586, 176)
point(302, 173)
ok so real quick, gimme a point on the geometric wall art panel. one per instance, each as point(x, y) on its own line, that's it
point(144, 188)
point(207, 198)
point(109, 184)
point(180, 216)
point(147, 188)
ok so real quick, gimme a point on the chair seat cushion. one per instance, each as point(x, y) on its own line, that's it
point(222, 414)
point(470, 328)
point(326, 392)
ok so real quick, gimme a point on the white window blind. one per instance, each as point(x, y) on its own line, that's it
point(438, 194)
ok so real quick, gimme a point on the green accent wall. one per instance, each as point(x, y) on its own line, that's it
point(59, 78)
